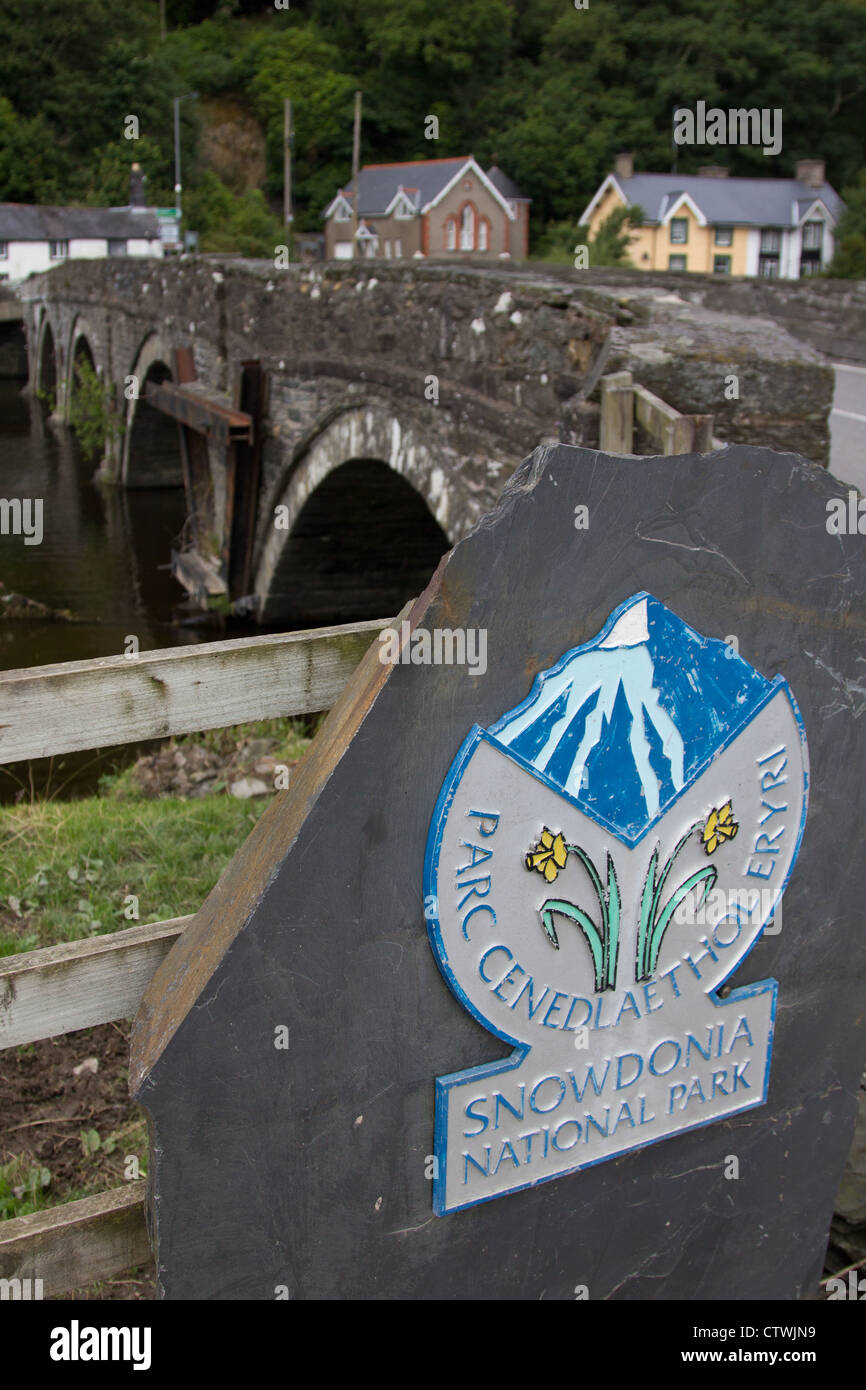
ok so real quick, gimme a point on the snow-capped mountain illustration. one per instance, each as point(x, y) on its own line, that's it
point(624, 723)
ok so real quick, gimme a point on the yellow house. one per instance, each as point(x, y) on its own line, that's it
point(724, 226)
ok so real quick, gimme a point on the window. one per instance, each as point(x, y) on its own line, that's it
point(467, 228)
point(398, 247)
point(58, 250)
point(812, 250)
point(676, 262)
point(343, 212)
point(721, 265)
point(813, 236)
point(771, 244)
point(450, 235)
point(4, 250)
point(116, 246)
point(679, 229)
point(724, 236)
point(483, 234)
point(387, 250)
point(343, 250)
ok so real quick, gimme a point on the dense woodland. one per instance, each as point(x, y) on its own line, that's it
point(548, 91)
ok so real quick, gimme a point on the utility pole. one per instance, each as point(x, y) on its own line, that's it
point(187, 96)
point(176, 105)
point(356, 155)
point(162, 27)
point(288, 137)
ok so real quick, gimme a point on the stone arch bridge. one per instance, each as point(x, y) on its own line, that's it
point(336, 429)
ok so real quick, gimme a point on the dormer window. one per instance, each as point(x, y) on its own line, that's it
point(405, 207)
point(812, 249)
point(342, 212)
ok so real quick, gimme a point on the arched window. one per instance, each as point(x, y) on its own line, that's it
point(450, 235)
point(483, 234)
point(467, 228)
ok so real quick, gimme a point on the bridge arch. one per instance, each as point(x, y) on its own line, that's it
point(357, 525)
point(46, 373)
point(80, 351)
point(80, 347)
point(151, 443)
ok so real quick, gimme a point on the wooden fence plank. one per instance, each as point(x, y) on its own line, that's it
point(80, 983)
point(78, 1243)
point(656, 417)
point(617, 414)
point(179, 690)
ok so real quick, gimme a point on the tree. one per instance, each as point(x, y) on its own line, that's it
point(611, 243)
point(849, 260)
point(226, 222)
point(297, 64)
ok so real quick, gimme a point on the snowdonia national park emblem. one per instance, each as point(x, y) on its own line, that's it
point(599, 862)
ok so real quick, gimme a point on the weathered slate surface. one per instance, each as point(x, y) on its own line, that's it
point(303, 1172)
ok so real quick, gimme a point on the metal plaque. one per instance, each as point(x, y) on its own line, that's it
point(600, 861)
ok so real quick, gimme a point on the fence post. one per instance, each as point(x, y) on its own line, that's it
point(617, 414)
point(702, 442)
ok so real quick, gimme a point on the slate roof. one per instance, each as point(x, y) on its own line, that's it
point(753, 202)
point(423, 180)
point(29, 222)
point(378, 183)
point(507, 187)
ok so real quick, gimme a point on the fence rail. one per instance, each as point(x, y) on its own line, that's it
point(45, 993)
point(79, 705)
point(623, 405)
point(80, 984)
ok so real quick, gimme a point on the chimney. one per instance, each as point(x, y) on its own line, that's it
point(810, 172)
point(713, 171)
point(623, 166)
point(136, 187)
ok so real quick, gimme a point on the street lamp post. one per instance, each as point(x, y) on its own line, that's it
point(187, 96)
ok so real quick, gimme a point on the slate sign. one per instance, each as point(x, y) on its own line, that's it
point(502, 998)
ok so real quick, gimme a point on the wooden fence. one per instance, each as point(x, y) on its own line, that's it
point(623, 405)
point(95, 704)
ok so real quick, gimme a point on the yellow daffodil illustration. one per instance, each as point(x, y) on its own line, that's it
point(549, 855)
point(720, 826)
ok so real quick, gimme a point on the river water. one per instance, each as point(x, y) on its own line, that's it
point(100, 555)
point(103, 557)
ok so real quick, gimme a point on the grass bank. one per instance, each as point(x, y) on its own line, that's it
point(81, 868)
point(137, 852)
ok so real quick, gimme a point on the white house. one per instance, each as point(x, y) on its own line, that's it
point(34, 238)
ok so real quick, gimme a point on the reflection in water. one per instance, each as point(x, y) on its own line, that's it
point(103, 557)
point(101, 553)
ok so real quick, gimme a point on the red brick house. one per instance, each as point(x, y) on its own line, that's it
point(429, 207)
